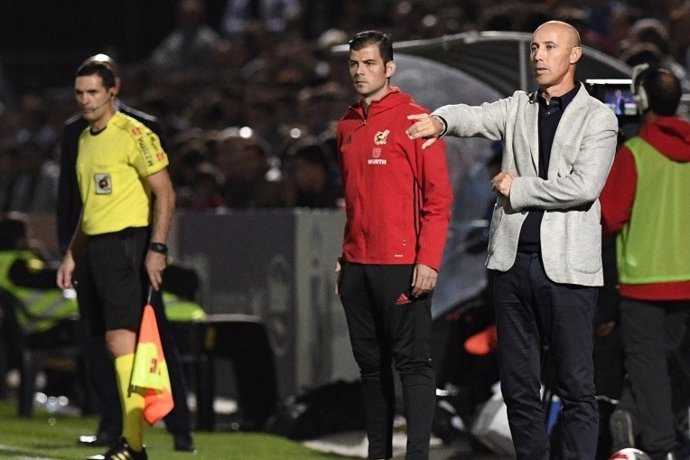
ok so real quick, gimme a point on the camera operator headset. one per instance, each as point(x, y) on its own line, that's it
point(640, 74)
point(630, 125)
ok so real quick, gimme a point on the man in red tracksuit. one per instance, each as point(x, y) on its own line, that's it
point(397, 199)
point(644, 200)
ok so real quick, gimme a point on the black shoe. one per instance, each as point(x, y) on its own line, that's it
point(101, 439)
point(183, 443)
point(121, 451)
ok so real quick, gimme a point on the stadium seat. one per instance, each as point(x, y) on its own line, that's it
point(243, 340)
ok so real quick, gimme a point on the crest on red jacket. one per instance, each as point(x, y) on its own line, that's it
point(381, 137)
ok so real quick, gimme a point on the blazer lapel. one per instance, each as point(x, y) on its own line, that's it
point(564, 132)
point(532, 121)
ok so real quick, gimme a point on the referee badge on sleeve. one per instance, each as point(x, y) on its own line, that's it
point(104, 184)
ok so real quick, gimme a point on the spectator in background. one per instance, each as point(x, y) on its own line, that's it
point(313, 177)
point(29, 139)
point(205, 189)
point(193, 45)
point(649, 42)
point(263, 117)
point(34, 123)
point(226, 142)
point(207, 111)
point(643, 201)
point(579, 18)
point(244, 20)
point(655, 32)
point(641, 53)
point(185, 161)
point(316, 109)
point(329, 69)
point(680, 34)
point(252, 179)
point(33, 184)
point(621, 20)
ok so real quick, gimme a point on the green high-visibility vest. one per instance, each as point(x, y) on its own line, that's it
point(178, 309)
point(652, 247)
point(42, 308)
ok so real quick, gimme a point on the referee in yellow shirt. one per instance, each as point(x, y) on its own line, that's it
point(121, 239)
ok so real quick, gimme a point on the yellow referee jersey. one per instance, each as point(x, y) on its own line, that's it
point(111, 167)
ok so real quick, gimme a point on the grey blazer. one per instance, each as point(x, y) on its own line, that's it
point(581, 156)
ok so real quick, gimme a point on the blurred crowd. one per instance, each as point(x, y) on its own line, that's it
point(248, 101)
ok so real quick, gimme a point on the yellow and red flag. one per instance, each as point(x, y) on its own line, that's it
point(150, 373)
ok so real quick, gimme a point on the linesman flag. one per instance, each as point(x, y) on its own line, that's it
point(150, 373)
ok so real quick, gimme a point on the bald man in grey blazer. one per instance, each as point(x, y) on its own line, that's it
point(545, 237)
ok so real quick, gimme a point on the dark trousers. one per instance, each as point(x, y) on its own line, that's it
point(533, 312)
point(650, 332)
point(99, 365)
point(386, 329)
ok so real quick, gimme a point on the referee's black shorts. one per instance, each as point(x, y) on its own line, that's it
point(111, 280)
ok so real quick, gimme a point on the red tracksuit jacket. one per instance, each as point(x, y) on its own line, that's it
point(397, 196)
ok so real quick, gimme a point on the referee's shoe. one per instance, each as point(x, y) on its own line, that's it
point(121, 451)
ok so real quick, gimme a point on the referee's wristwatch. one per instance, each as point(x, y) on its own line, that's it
point(158, 247)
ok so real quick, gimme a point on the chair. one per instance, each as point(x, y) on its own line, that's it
point(243, 340)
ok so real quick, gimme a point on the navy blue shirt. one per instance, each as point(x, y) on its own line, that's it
point(549, 116)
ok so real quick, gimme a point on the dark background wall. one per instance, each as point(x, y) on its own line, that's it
point(42, 41)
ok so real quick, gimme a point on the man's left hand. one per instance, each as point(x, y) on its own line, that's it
point(155, 265)
point(502, 182)
point(423, 280)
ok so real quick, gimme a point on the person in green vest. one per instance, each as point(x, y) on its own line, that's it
point(29, 301)
point(644, 202)
point(30, 280)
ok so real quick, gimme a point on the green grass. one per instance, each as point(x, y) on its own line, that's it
point(47, 436)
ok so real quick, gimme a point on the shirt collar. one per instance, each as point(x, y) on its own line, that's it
point(561, 101)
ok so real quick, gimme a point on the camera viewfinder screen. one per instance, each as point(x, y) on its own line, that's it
point(620, 100)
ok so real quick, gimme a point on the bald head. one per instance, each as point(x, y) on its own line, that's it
point(555, 51)
point(571, 34)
